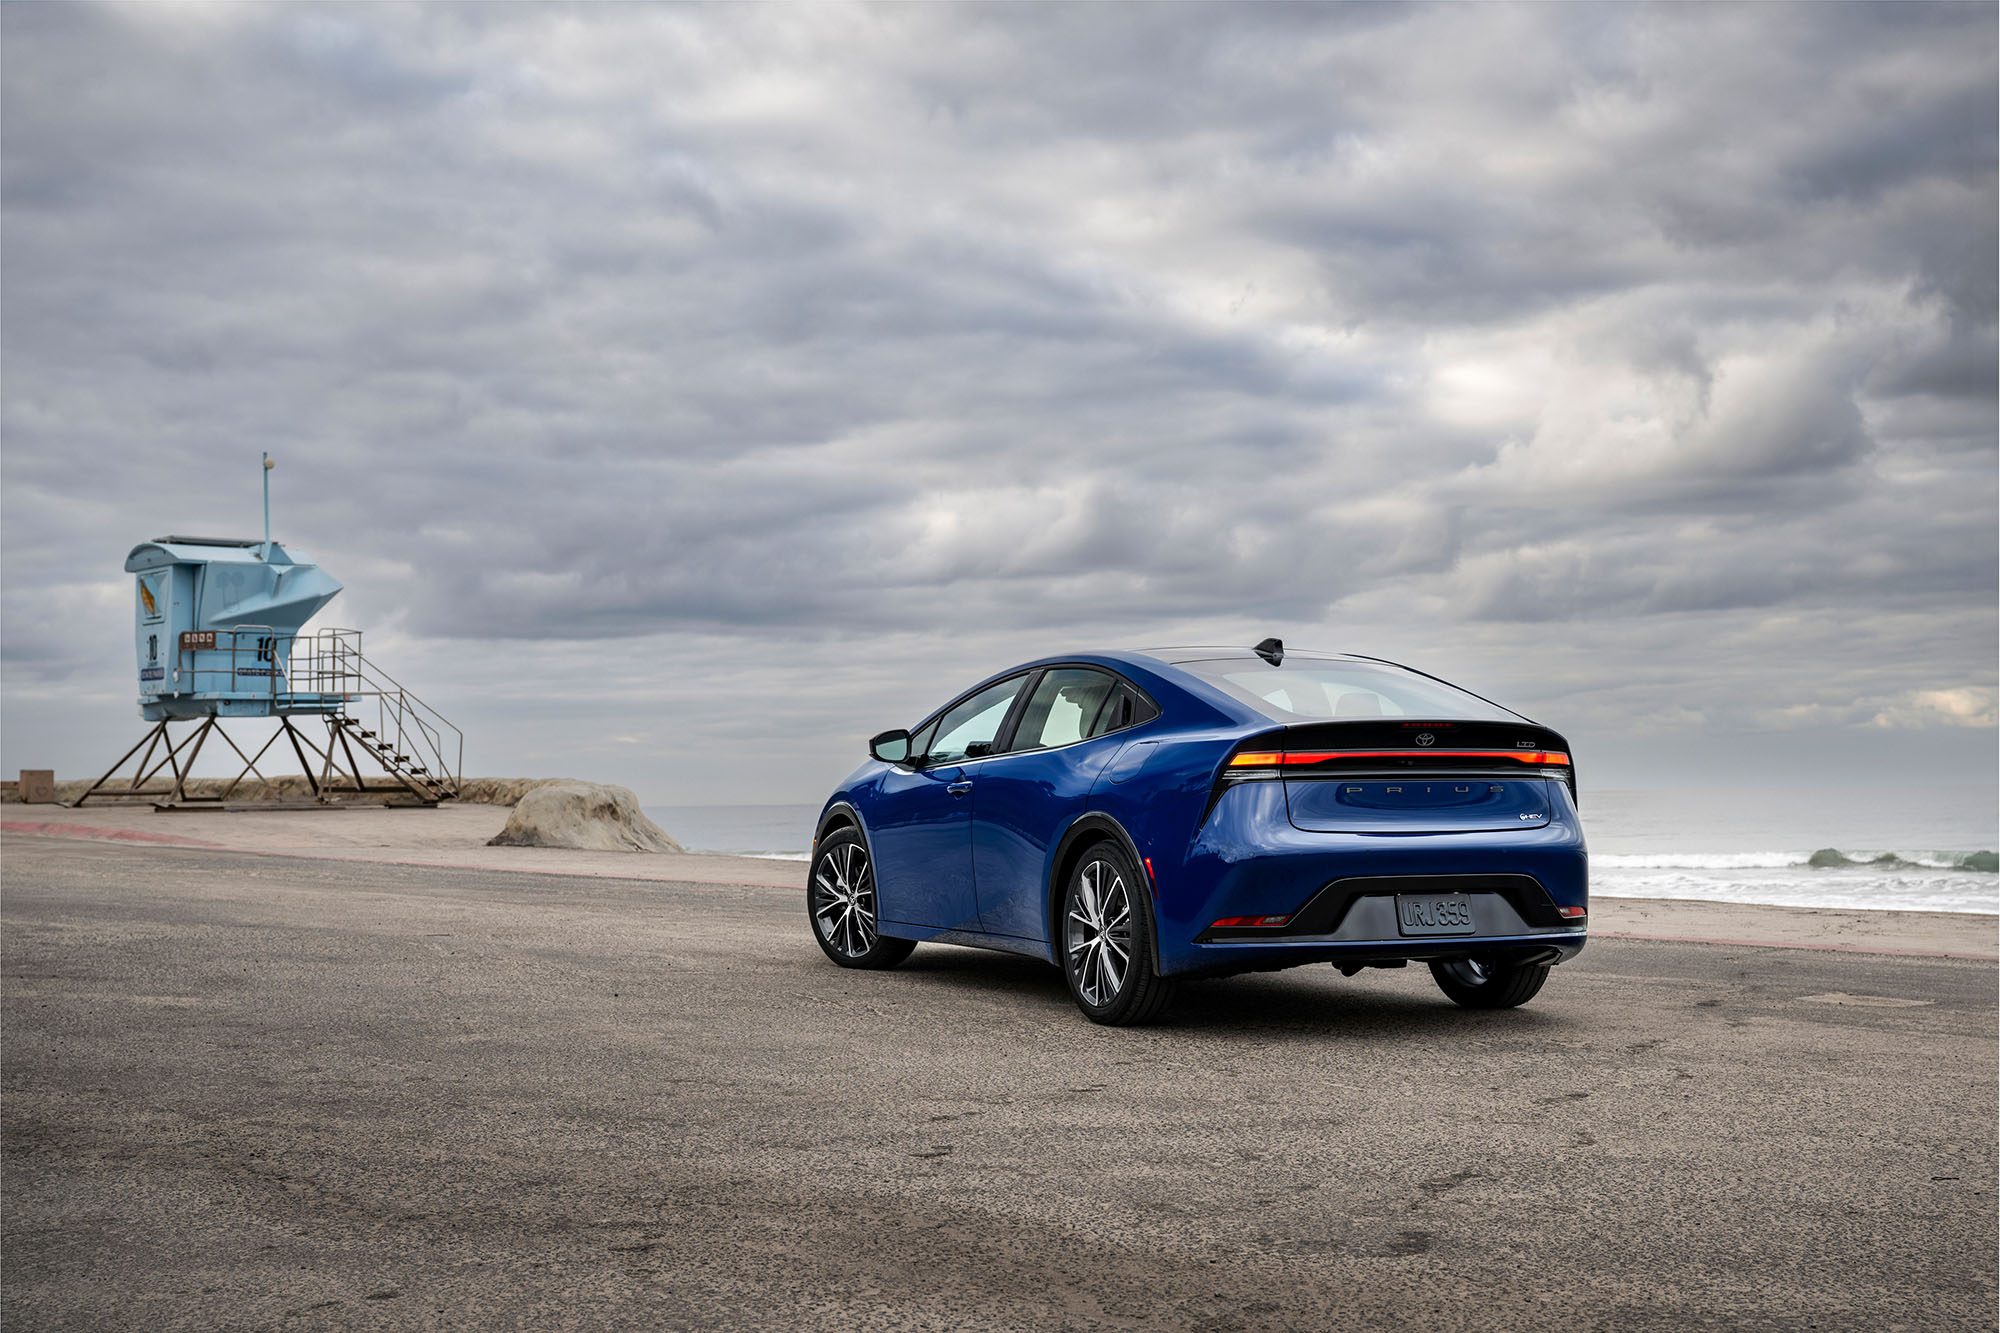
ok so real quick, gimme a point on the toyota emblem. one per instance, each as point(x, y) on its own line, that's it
point(1426, 738)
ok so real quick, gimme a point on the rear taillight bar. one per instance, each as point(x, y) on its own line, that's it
point(1288, 758)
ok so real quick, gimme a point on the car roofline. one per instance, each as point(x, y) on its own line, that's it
point(1233, 652)
point(1124, 661)
point(1215, 652)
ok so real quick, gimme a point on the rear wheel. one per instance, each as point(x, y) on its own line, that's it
point(1482, 983)
point(840, 898)
point(1109, 955)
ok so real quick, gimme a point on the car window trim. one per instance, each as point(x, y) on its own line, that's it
point(1020, 704)
point(981, 688)
point(1119, 680)
point(1118, 684)
point(1049, 749)
point(1003, 739)
point(1027, 696)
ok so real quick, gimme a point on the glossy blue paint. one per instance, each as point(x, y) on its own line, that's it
point(984, 867)
point(1021, 806)
point(920, 832)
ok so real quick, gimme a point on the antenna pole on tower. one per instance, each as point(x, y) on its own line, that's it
point(267, 507)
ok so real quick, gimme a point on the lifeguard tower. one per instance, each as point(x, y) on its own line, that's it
point(219, 634)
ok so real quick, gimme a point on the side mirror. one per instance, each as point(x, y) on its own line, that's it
point(891, 747)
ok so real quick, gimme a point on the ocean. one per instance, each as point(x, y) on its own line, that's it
point(1911, 848)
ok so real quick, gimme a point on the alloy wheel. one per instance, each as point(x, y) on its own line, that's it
point(1098, 933)
point(843, 905)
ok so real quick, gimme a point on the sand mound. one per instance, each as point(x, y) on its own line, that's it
point(584, 816)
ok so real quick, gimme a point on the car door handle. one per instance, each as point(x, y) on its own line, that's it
point(959, 788)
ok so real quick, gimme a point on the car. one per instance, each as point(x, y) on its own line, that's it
point(1140, 818)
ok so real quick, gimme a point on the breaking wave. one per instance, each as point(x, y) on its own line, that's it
point(1826, 858)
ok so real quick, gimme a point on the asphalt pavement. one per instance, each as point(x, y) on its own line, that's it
point(258, 1092)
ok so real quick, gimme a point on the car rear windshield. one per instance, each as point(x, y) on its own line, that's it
point(1318, 690)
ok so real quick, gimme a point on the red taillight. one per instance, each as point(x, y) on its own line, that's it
point(1519, 756)
point(1273, 759)
point(1572, 913)
point(1233, 922)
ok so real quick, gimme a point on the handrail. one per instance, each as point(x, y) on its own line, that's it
point(325, 671)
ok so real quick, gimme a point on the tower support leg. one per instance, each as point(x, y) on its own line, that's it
point(160, 755)
point(298, 750)
point(149, 740)
point(193, 747)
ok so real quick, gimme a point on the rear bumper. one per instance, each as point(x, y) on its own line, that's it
point(1338, 891)
point(1222, 957)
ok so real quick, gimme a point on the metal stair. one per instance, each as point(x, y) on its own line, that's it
point(427, 786)
point(377, 717)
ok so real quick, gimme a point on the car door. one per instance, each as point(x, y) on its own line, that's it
point(1025, 798)
point(920, 817)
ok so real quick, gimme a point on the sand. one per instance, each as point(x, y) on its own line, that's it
point(583, 817)
point(456, 835)
point(450, 835)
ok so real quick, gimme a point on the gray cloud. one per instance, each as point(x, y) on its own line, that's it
point(982, 330)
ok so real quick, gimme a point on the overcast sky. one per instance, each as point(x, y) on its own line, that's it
point(684, 394)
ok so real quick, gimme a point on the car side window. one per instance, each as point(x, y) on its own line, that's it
point(1062, 708)
point(1127, 708)
point(967, 729)
point(920, 743)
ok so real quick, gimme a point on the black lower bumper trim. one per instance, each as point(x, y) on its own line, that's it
point(1326, 909)
point(1413, 951)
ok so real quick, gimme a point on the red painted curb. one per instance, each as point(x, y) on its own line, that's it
point(96, 834)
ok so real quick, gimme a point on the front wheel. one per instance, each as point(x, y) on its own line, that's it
point(1480, 983)
point(1108, 952)
point(840, 898)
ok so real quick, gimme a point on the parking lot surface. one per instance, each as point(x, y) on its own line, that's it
point(249, 1091)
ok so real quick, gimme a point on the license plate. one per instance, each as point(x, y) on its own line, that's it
point(1434, 914)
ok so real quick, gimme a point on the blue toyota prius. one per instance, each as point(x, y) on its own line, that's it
point(1139, 817)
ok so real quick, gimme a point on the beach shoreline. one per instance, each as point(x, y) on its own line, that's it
point(455, 835)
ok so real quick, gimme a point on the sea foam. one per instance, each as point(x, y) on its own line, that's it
point(1826, 858)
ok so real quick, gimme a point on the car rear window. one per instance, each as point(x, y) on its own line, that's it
point(1317, 690)
point(1127, 708)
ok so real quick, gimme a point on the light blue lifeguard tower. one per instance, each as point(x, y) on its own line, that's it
point(219, 633)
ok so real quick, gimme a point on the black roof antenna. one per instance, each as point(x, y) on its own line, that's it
point(1272, 651)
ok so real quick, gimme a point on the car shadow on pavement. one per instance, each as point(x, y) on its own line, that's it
point(1307, 1001)
point(1027, 979)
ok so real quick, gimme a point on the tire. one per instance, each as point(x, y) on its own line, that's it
point(840, 903)
point(1478, 983)
point(1107, 910)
